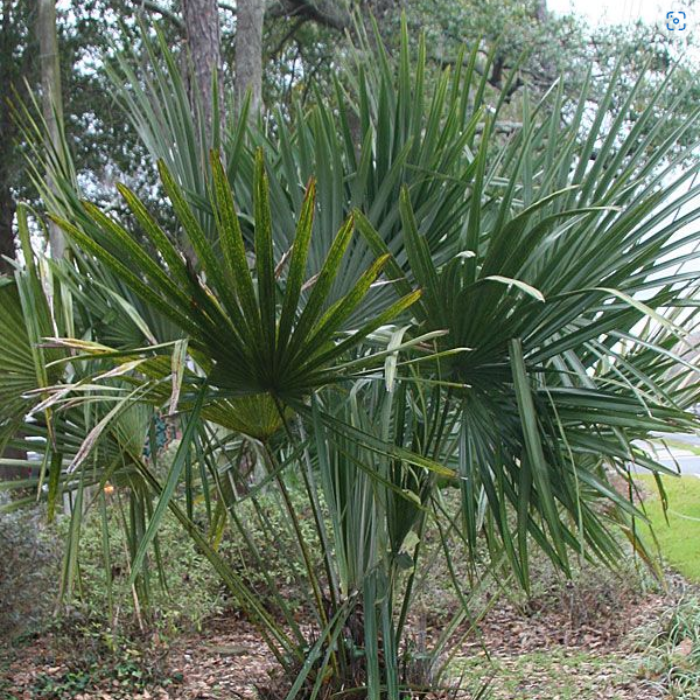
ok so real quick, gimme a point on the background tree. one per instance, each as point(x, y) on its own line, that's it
point(51, 100)
point(203, 32)
point(249, 52)
point(303, 45)
point(17, 52)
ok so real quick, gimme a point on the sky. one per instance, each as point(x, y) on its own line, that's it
point(650, 12)
point(619, 11)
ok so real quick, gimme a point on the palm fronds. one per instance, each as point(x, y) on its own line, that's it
point(512, 320)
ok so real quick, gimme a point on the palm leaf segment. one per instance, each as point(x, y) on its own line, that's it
point(251, 336)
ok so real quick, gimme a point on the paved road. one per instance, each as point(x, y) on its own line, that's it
point(688, 439)
point(689, 464)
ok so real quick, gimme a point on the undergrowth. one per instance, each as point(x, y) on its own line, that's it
point(671, 650)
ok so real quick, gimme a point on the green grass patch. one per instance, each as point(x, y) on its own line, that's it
point(563, 673)
point(679, 539)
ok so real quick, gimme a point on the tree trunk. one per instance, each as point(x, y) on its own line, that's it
point(51, 101)
point(548, 68)
point(7, 237)
point(249, 52)
point(7, 202)
point(541, 11)
point(201, 19)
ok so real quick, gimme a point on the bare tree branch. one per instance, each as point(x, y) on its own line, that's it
point(164, 12)
point(494, 78)
point(326, 12)
point(329, 13)
point(287, 36)
point(174, 17)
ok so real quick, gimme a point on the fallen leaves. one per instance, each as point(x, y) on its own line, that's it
point(543, 654)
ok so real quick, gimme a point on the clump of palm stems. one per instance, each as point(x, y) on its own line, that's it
point(369, 314)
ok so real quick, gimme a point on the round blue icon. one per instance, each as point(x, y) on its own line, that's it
point(676, 21)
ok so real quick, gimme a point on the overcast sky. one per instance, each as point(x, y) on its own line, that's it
point(620, 11)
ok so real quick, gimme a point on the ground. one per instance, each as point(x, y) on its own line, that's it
point(623, 636)
point(524, 656)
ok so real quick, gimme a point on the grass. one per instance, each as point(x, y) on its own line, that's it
point(678, 539)
point(670, 649)
point(566, 674)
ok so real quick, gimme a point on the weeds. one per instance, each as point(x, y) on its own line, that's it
point(671, 650)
